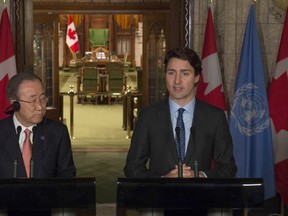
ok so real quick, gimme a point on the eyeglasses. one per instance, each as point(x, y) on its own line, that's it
point(42, 100)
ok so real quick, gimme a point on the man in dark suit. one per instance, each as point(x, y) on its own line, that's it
point(51, 146)
point(154, 149)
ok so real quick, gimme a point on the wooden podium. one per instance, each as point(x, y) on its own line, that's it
point(194, 193)
point(40, 195)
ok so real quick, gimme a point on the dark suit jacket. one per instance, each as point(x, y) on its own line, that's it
point(51, 148)
point(153, 144)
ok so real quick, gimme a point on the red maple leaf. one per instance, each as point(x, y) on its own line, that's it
point(71, 34)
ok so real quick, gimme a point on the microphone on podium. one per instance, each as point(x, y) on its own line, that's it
point(19, 129)
point(34, 131)
point(196, 169)
point(180, 164)
point(15, 163)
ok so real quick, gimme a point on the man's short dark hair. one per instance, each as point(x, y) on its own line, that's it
point(16, 81)
point(184, 54)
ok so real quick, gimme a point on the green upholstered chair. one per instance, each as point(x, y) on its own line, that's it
point(90, 80)
point(115, 73)
point(99, 37)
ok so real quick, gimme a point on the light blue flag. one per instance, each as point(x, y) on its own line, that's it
point(249, 118)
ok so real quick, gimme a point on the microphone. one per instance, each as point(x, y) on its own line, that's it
point(196, 170)
point(15, 163)
point(180, 167)
point(19, 129)
point(34, 130)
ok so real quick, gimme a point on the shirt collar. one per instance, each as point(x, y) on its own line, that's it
point(188, 107)
point(17, 123)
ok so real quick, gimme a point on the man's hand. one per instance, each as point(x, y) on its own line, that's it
point(188, 172)
point(172, 174)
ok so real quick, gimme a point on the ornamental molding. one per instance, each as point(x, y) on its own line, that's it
point(89, 7)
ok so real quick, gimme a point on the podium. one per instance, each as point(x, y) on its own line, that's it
point(33, 195)
point(194, 193)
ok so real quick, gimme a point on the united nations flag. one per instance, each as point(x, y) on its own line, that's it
point(249, 118)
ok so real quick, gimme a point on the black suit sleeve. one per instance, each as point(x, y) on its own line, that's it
point(214, 143)
point(66, 167)
point(54, 151)
point(152, 152)
point(138, 153)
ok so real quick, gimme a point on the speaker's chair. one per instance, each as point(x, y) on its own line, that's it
point(99, 37)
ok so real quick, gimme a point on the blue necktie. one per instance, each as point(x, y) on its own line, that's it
point(180, 124)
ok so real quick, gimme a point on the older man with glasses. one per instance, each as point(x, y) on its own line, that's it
point(32, 145)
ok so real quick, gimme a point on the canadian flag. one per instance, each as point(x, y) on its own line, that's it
point(71, 37)
point(7, 60)
point(278, 106)
point(210, 88)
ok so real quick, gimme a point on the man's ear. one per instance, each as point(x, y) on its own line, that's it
point(196, 80)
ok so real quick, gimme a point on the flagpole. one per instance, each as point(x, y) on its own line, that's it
point(73, 54)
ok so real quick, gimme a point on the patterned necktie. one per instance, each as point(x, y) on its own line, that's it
point(180, 124)
point(26, 152)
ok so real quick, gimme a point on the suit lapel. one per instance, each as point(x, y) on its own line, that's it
point(13, 148)
point(165, 120)
point(39, 147)
point(197, 124)
point(12, 142)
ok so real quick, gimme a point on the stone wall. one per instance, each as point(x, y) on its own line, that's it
point(229, 22)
